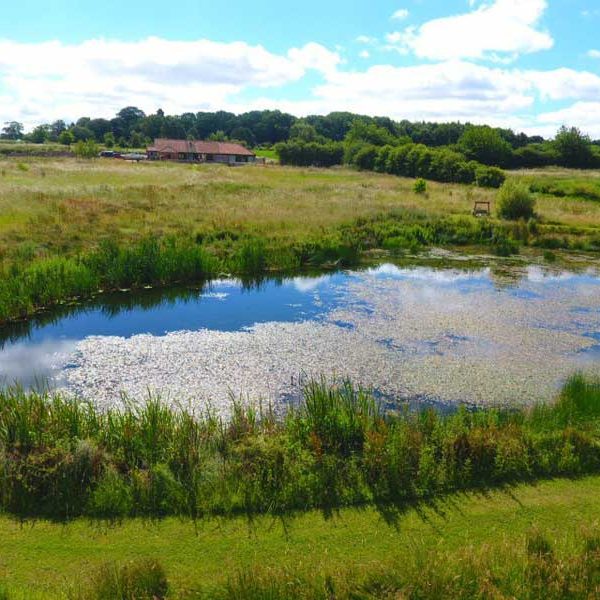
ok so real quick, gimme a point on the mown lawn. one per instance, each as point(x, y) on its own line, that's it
point(38, 559)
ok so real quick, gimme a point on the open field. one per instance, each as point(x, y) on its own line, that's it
point(68, 205)
point(40, 559)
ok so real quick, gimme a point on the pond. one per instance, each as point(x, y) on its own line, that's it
point(413, 334)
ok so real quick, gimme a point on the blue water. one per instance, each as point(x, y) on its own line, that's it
point(27, 350)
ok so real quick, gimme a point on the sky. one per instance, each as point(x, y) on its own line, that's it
point(532, 65)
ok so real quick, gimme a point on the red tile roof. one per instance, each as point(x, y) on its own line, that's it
point(200, 147)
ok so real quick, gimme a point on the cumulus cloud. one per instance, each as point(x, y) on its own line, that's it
point(54, 80)
point(585, 115)
point(564, 84)
point(498, 31)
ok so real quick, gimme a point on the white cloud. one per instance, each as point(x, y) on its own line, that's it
point(400, 14)
point(585, 115)
point(49, 80)
point(564, 84)
point(498, 31)
point(456, 90)
point(593, 53)
point(45, 81)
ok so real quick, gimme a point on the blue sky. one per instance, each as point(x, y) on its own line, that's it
point(527, 64)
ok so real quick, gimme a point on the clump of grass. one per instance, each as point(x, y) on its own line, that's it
point(420, 186)
point(142, 579)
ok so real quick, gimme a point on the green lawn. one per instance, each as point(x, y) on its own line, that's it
point(37, 559)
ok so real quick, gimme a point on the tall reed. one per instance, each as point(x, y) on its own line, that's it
point(61, 458)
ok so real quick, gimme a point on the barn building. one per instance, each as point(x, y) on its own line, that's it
point(198, 151)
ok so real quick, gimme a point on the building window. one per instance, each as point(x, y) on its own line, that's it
point(210, 157)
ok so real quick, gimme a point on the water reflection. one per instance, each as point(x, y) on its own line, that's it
point(428, 334)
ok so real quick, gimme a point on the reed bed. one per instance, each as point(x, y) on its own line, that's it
point(61, 458)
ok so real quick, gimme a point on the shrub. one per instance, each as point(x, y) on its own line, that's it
point(112, 497)
point(302, 154)
point(365, 157)
point(515, 201)
point(87, 149)
point(489, 177)
point(420, 186)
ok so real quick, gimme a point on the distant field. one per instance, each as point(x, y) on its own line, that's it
point(39, 560)
point(267, 154)
point(66, 205)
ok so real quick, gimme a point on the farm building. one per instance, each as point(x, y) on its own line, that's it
point(198, 151)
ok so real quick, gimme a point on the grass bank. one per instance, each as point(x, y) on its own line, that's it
point(70, 228)
point(477, 542)
point(62, 459)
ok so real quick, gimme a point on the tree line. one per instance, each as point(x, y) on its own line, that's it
point(316, 139)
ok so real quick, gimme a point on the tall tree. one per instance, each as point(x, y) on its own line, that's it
point(574, 149)
point(485, 145)
point(12, 130)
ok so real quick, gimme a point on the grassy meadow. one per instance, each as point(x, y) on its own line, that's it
point(69, 205)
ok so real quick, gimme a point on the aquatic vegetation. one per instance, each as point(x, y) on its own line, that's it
point(61, 458)
point(506, 334)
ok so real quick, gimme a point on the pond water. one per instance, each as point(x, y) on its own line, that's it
point(413, 334)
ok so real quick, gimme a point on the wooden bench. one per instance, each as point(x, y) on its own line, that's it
point(482, 208)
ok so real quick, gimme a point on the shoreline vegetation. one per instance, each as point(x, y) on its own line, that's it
point(69, 229)
point(62, 458)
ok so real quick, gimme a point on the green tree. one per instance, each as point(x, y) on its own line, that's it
point(12, 130)
point(81, 133)
point(305, 132)
point(66, 137)
point(56, 129)
point(574, 149)
point(218, 136)
point(243, 134)
point(109, 139)
point(485, 145)
point(137, 140)
point(40, 134)
point(370, 133)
